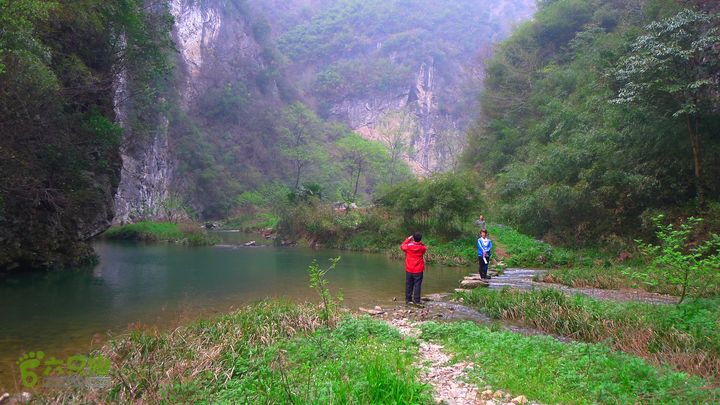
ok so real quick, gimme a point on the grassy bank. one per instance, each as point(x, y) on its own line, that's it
point(148, 231)
point(685, 337)
point(550, 371)
point(251, 222)
point(613, 277)
point(616, 276)
point(266, 353)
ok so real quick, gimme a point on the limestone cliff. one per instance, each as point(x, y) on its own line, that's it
point(216, 50)
point(60, 158)
point(434, 137)
point(412, 72)
point(365, 62)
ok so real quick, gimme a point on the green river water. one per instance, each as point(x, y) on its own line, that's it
point(68, 312)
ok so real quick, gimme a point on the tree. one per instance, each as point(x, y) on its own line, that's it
point(300, 138)
point(358, 154)
point(18, 39)
point(676, 67)
point(395, 131)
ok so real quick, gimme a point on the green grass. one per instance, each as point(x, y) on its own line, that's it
point(362, 361)
point(605, 277)
point(616, 276)
point(525, 251)
point(252, 222)
point(149, 231)
point(686, 337)
point(267, 353)
point(549, 371)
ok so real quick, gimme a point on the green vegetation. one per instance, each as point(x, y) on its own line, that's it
point(524, 251)
point(550, 371)
point(59, 150)
point(683, 262)
point(360, 78)
point(685, 337)
point(318, 281)
point(359, 48)
point(147, 231)
point(673, 68)
point(586, 113)
point(694, 267)
point(612, 277)
point(266, 353)
point(440, 207)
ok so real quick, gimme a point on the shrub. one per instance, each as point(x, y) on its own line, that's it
point(689, 265)
point(441, 205)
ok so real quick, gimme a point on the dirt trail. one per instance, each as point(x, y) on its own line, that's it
point(448, 379)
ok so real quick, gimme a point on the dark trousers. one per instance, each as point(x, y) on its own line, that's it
point(483, 266)
point(413, 283)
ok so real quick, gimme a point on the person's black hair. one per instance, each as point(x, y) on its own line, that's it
point(417, 236)
point(486, 232)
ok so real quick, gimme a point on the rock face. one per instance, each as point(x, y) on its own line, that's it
point(435, 138)
point(216, 48)
point(145, 178)
point(216, 43)
point(444, 70)
point(228, 80)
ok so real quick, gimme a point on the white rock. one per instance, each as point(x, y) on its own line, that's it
point(372, 311)
point(487, 394)
point(519, 400)
point(473, 283)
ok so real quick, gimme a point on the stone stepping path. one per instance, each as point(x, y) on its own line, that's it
point(447, 379)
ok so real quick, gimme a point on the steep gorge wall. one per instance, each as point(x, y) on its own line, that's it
point(434, 137)
point(60, 158)
point(216, 48)
point(437, 56)
point(215, 134)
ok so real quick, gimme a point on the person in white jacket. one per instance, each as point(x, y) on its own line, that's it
point(484, 246)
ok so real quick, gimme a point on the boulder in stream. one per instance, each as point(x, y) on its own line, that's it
point(472, 283)
point(435, 297)
point(373, 312)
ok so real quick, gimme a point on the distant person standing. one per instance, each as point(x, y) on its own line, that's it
point(414, 267)
point(484, 246)
point(481, 223)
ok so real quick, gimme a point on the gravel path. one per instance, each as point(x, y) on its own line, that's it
point(448, 379)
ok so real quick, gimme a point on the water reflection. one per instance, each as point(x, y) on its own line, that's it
point(62, 312)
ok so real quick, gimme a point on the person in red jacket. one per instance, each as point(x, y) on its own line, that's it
point(414, 267)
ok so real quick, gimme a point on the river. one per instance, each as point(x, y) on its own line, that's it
point(64, 313)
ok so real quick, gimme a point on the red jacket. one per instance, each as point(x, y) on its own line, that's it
point(414, 251)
